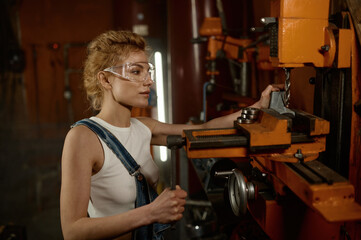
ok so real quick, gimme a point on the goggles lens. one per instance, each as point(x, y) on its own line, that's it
point(135, 72)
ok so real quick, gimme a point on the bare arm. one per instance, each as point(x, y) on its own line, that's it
point(160, 130)
point(81, 153)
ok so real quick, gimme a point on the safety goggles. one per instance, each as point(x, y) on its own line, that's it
point(134, 72)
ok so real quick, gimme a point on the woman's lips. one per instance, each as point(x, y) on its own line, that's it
point(146, 93)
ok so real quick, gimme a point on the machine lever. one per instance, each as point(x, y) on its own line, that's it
point(173, 143)
point(224, 174)
point(268, 20)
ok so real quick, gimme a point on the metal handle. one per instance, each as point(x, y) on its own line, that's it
point(173, 143)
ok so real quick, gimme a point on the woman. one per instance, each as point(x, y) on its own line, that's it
point(117, 77)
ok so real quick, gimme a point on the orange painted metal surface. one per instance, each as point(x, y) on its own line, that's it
point(329, 56)
point(312, 9)
point(269, 131)
point(335, 202)
point(344, 48)
point(230, 46)
point(301, 26)
point(305, 36)
point(300, 42)
point(263, 62)
point(323, 206)
point(211, 26)
point(310, 151)
point(320, 126)
point(319, 215)
point(292, 220)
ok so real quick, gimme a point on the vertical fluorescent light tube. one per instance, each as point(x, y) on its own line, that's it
point(160, 98)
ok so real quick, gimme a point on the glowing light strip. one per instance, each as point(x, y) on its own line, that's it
point(160, 98)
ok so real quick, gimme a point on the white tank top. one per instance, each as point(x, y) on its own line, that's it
point(113, 190)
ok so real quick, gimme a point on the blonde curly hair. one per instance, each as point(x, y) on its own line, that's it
point(105, 51)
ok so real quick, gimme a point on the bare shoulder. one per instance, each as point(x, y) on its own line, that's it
point(82, 143)
point(81, 136)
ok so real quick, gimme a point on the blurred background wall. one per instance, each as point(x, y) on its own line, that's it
point(42, 50)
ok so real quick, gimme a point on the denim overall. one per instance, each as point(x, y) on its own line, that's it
point(145, 194)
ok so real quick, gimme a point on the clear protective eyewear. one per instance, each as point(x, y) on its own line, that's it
point(134, 72)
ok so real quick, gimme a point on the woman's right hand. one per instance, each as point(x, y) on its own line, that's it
point(169, 205)
point(265, 98)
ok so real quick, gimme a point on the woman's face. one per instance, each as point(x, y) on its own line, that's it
point(131, 93)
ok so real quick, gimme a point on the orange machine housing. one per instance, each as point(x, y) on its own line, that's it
point(303, 36)
point(300, 35)
point(313, 206)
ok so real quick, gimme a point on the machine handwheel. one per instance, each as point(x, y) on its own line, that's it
point(239, 192)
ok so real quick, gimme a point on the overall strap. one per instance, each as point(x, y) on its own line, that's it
point(113, 143)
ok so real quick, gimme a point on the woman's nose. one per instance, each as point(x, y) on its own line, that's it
point(148, 81)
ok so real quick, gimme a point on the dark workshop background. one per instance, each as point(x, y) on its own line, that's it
point(42, 49)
